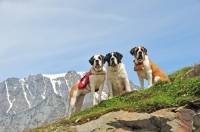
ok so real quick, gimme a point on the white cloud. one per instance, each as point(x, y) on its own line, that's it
point(34, 30)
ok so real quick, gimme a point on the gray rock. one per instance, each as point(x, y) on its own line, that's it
point(163, 120)
point(72, 77)
point(4, 121)
point(133, 86)
point(196, 121)
point(195, 71)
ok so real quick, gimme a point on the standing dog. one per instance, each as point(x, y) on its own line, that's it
point(96, 78)
point(117, 78)
point(145, 68)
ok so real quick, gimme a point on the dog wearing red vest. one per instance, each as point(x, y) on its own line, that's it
point(145, 68)
point(93, 81)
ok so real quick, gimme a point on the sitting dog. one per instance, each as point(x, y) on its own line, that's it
point(91, 82)
point(118, 82)
point(145, 68)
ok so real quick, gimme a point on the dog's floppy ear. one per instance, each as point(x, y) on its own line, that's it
point(91, 60)
point(132, 51)
point(119, 56)
point(106, 58)
point(103, 59)
point(145, 50)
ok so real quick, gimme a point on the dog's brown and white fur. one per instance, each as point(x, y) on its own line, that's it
point(96, 81)
point(118, 82)
point(151, 72)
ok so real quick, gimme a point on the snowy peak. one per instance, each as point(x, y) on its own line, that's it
point(54, 76)
point(17, 95)
point(24, 101)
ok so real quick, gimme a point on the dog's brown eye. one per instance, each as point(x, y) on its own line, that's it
point(99, 58)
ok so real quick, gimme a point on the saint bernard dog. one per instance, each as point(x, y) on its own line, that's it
point(96, 77)
point(118, 82)
point(145, 68)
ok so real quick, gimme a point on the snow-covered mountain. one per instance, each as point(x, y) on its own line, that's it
point(38, 99)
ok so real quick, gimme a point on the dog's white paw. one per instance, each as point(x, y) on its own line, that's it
point(128, 90)
point(94, 103)
point(110, 97)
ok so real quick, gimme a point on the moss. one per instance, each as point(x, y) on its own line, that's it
point(197, 130)
point(179, 73)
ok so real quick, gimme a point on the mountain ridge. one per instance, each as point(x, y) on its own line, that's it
point(21, 98)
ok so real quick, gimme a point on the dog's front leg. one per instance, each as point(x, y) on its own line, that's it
point(100, 92)
point(93, 93)
point(149, 75)
point(127, 85)
point(110, 95)
point(141, 82)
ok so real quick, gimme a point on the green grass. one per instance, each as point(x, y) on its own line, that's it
point(179, 73)
point(161, 95)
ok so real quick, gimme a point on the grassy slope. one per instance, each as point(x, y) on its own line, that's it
point(161, 95)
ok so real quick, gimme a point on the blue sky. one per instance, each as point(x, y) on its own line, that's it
point(55, 36)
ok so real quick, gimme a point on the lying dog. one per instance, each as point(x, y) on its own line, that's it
point(93, 81)
point(118, 82)
point(145, 68)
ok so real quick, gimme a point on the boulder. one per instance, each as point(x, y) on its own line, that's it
point(196, 121)
point(162, 120)
point(195, 71)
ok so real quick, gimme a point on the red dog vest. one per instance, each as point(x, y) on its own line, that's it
point(84, 81)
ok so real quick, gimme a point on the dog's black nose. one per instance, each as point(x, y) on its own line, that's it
point(112, 60)
point(140, 52)
point(97, 61)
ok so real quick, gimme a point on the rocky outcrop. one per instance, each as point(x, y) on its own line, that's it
point(195, 71)
point(196, 121)
point(164, 120)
